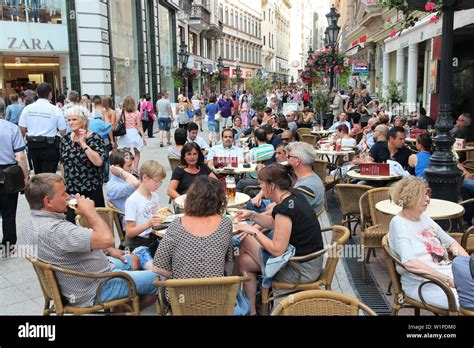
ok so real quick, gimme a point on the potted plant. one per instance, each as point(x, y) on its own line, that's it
point(321, 102)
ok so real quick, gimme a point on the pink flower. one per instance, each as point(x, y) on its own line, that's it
point(427, 233)
point(393, 33)
point(434, 19)
point(430, 6)
point(389, 20)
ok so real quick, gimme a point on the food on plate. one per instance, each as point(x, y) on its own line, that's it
point(164, 211)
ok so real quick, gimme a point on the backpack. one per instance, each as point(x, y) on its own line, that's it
point(145, 115)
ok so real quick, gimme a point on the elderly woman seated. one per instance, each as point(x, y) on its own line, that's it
point(294, 223)
point(421, 243)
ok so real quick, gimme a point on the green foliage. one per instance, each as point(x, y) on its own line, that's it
point(259, 88)
point(396, 91)
point(409, 17)
point(321, 101)
point(343, 81)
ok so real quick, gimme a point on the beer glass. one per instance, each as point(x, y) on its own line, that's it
point(231, 188)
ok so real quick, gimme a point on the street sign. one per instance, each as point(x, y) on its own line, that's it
point(360, 66)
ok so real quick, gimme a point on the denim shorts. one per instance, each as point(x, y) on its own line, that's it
point(164, 123)
point(213, 126)
point(143, 254)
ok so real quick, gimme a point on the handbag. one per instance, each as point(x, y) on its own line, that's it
point(120, 127)
point(13, 179)
point(218, 116)
point(242, 304)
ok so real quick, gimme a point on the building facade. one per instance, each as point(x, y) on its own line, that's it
point(115, 47)
point(199, 27)
point(276, 39)
point(241, 42)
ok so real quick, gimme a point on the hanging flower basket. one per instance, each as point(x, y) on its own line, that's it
point(325, 60)
point(216, 77)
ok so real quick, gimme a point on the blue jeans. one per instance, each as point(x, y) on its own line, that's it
point(464, 281)
point(117, 287)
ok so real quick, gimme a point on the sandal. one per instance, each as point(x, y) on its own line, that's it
point(168, 143)
point(161, 144)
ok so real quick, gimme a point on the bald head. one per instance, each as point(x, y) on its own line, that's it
point(381, 132)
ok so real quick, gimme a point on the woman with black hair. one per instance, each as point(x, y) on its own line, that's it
point(192, 165)
point(417, 163)
point(293, 222)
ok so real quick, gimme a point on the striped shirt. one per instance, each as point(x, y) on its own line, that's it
point(66, 245)
point(261, 153)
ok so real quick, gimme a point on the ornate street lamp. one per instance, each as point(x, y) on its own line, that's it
point(183, 62)
point(443, 175)
point(292, 79)
point(274, 77)
point(220, 68)
point(238, 73)
point(332, 37)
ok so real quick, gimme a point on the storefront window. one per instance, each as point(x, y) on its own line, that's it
point(167, 61)
point(33, 11)
point(124, 47)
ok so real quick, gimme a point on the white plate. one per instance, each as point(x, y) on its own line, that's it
point(170, 218)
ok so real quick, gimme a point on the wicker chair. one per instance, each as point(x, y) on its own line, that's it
point(349, 196)
point(46, 274)
point(465, 238)
point(401, 300)
point(340, 235)
point(303, 131)
point(321, 303)
point(467, 312)
point(310, 139)
point(108, 214)
point(174, 162)
point(322, 169)
point(118, 225)
point(202, 296)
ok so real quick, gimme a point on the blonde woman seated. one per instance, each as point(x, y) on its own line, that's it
point(421, 243)
point(293, 222)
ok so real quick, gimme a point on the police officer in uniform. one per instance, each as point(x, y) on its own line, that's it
point(12, 151)
point(41, 121)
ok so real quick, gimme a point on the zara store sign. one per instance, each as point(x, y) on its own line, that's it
point(32, 44)
point(33, 37)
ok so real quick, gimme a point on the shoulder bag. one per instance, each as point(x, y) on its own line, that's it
point(13, 179)
point(120, 127)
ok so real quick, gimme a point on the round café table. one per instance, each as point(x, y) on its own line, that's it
point(240, 200)
point(438, 209)
point(465, 149)
point(355, 175)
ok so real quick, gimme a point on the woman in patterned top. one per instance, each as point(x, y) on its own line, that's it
point(82, 153)
point(198, 244)
point(421, 243)
point(135, 137)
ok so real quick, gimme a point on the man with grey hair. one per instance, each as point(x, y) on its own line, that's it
point(301, 157)
point(464, 128)
point(62, 243)
point(12, 152)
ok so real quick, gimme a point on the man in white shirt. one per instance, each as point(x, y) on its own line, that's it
point(227, 149)
point(193, 137)
point(342, 120)
point(42, 121)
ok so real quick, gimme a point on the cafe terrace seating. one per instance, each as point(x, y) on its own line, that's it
point(46, 274)
point(401, 300)
point(321, 303)
point(371, 233)
point(199, 296)
point(340, 235)
point(110, 217)
point(349, 196)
